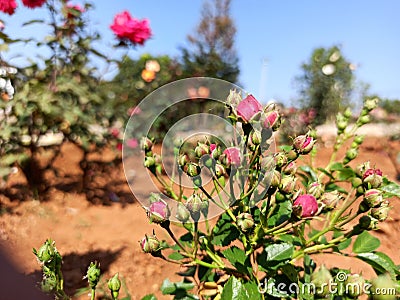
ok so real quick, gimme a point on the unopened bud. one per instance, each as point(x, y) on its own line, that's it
point(288, 184)
point(373, 197)
point(359, 139)
point(381, 287)
point(354, 285)
point(182, 213)
point(316, 189)
point(201, 149)
point(150, 244)
point(303, 143)
point(371, 103)
point(368, 223)
point(194, 204)
point(350, 155)
point(381, 213)
point(146, 144)
point(373, 178)
point(93, 274)
point(361, 168)
point(114, 284)
point(322, 280)
point(255, 137)
point(245, 222)
point(193, 169)
point(280, 159)
point(275, 179)
point(272, 120)
point(219, 170)
point(330, 199)
point(149, 161)
point(364, 120)
point(290, 168)
point(158, 212)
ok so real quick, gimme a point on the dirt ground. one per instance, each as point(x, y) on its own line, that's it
point(107, 227)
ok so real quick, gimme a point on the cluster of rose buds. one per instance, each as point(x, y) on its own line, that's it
point(369, 105)
point(249, 110)
point(152, 161)
point(367, 183)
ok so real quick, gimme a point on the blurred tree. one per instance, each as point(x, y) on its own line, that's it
point(212, 52)
point(326, 83)
point(392, 106)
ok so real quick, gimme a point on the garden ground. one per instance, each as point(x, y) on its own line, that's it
point(108, 227)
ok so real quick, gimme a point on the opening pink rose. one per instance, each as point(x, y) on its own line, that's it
point(248, 108)
point(127, 28)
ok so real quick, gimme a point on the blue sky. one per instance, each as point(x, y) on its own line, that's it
point(273, 37)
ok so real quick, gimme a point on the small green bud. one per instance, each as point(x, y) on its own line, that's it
point(279, 197)
point(219, 170)
point(359, 139)
point(364, 120)
point(275, 179)
point(371, 103)
point(290, 168)
point(193, 170)
point(201, 149)
point(93, 274)
point(363, 207)
point(354, 285)
point(204, 207)
point(114, 284)
point(245, 222)
point(356, 182)
point(208, 161)
point(149, 161)
point(288, 184)
point(194, 204)
point(292, 155)
point(280, 159)
point(183, 159)
point(46, 252)
point(383, 283)
point(146, 144)
point(368, 223)
point(182, 213)
point(256, 137)
point(381, 213)
point(350, 155)
point(322, 280)
point(347, 113)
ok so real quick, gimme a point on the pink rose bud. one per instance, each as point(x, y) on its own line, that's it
point(305, 206)
point(150, 244)
point(272, 120)
point(248, 108)
point(373, 177)
point(316, 189)
point(192, 169)
point(330, 199)
point(303, 144)
point(373, 197)
point(158, 212)
point(233, 156)
point(275, 179)
point(132, 143)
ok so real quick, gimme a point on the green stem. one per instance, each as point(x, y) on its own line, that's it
point(93, 294)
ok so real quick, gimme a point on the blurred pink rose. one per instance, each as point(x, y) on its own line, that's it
point(8, 6)
point(248, 108)
point(134, 111)
point(132, 143)
point(74, 10)
point(128, 28)
point(33, 3)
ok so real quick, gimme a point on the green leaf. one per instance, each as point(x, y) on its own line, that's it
point(224, 231)
point(174, 288)
point(234, 289)
point(380, 262)
point(346, 173)
point(310, 171)
point(238, 258)
point(337, 166)
point(149, 297)
point(279, 252)
point(176, 256)
point(326, 172)
point(344, 245)
point(334, 187)
point(282, 212)
point(365, 242)
point(390, 188)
